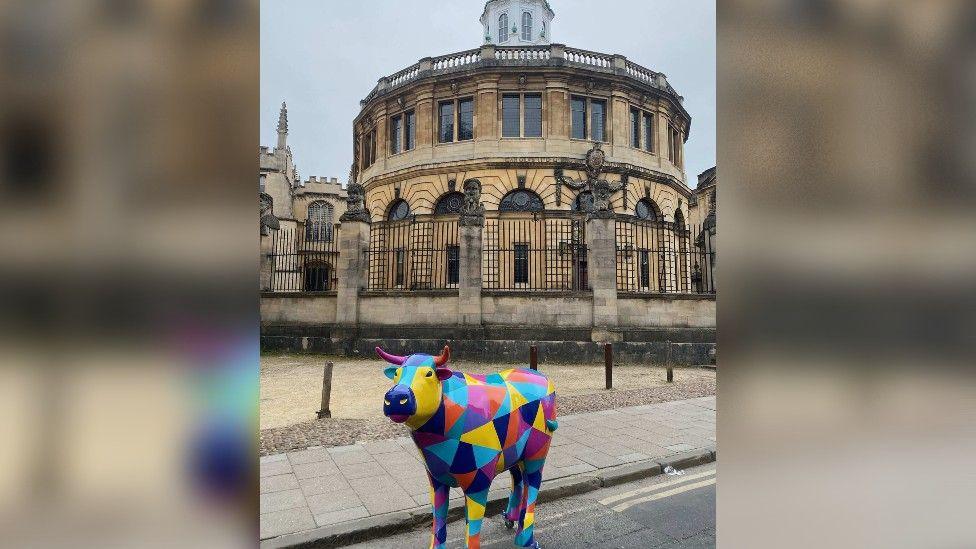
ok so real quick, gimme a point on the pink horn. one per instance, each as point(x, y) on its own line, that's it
point(442, 359)
point(392, 359)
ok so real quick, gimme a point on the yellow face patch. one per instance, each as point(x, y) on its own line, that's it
point(422, 381)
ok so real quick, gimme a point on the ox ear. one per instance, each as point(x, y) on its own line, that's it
point(444, 374)
point(390, 371)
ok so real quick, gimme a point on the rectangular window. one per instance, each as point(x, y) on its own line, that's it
point(635, 128)
point(369, 148)
point(465, 119)
point(410, 137)
point(645, 269)
point(400, 256)
point(533, 116)
point(510, 116)
point(446, 110)
point(598, 117)
point(396, 129)
point(670, 143)
point(521, 264)
point(577, 106)
point(648, 133)
point(453, 264)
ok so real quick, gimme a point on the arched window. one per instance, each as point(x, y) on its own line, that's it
point(521, 200)
point(646, 209)
point(679, 219)
point(450, 203)
point(398, 210)
point(503, 27)
point(527, 27)
point(583, 202)
point(318, 226)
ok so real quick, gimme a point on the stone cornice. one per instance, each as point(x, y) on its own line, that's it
point(619, 168)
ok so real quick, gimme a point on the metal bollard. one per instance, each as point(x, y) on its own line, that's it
point(667, 364)
point(608, 361)
point(326, 391)
point(534, 358)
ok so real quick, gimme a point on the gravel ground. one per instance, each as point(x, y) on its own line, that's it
point(337, 431)
point(291, 385)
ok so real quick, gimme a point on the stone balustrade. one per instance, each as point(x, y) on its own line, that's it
point(535, 56)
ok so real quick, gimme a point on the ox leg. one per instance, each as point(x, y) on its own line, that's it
point(439, 498)
point(532, 479)
point(513, 511)
point(474, 506)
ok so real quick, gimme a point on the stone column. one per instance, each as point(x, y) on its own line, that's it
point(352, 268)
point(602, 272)
point(470, 225)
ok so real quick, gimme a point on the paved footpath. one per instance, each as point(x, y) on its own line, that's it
point(316, 487)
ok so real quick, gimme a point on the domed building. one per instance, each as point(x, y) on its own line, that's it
point(512, 115)
point(522, 190)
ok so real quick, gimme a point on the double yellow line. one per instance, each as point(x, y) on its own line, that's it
point(681, 484)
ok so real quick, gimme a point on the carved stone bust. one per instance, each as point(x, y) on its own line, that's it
point(472, 211)
point(268, 219)
point(355, 204)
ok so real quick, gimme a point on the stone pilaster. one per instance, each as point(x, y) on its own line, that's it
point(353, 240)
point(469, 279)
point(602, 272)
point(470, 224)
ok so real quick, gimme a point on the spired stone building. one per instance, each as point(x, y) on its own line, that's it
point(298, 220)
point(522, 191)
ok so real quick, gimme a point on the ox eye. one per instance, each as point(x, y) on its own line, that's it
point(429, 373)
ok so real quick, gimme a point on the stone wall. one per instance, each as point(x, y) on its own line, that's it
point(298, 309)
point(499, 309)
point(537, 309)
point(408, 309)
point(666, 311)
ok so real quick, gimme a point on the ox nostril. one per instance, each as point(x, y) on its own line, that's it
point(403, 401)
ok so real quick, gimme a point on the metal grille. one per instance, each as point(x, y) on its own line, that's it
point(659, 257)
point(538, 251)
point(304, 259)
point(418, 253)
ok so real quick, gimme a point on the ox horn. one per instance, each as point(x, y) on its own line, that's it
point(442, 358)
point(392, 359)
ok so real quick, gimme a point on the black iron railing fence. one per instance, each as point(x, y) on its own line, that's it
point(661, 257)
point(541, 251)
point(304, 259)
point(417, 253)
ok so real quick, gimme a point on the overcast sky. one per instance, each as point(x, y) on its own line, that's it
point(323, 56)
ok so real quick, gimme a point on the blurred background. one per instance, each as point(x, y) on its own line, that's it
point(846, 391)
point(128, 278)
point(129, 348)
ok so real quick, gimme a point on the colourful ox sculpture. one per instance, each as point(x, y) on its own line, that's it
point(469, 428)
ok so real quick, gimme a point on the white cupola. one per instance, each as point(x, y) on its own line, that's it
point(517, 22)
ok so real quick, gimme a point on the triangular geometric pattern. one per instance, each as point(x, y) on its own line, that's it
point(482, 425)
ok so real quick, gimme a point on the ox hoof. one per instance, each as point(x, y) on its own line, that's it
point(509, 524)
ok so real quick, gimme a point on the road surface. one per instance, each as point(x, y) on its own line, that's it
point(661, 512)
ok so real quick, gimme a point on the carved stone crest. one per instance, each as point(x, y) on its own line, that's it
point(600, 189)
point(455, 87)
point(472, 211)
point(522, 80)
point(355, 204)
point(400, 101)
